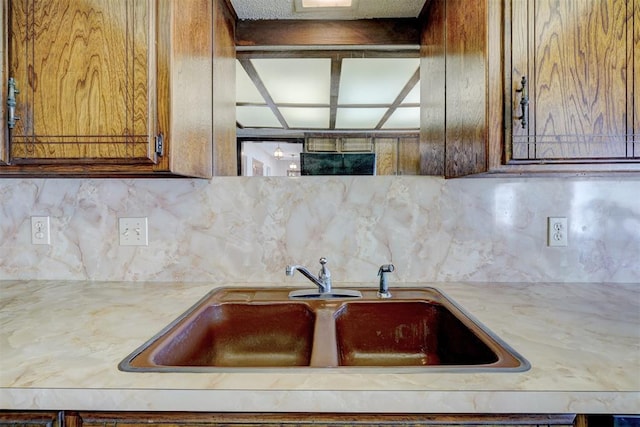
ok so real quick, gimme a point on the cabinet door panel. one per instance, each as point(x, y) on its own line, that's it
point(577, 59)
point(84, 71)
point(29, 419)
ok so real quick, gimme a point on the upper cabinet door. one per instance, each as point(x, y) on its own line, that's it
point(570, 81)
point(83, 73)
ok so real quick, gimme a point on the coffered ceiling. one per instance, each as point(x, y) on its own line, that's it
point(328, 91)
point(295, 91)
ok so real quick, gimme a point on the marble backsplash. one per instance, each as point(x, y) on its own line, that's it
point(247, 229)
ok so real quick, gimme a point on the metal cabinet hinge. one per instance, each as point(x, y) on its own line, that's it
point(159, 139)
point(11, 103)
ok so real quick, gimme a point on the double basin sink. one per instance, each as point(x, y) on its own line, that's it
point(234, 329)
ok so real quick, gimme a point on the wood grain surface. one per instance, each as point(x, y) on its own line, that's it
point(83, 69)
point(577, 58)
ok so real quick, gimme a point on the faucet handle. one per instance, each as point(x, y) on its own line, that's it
point(324, 271)
point(325, 275)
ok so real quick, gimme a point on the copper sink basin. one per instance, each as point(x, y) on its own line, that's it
point(237, 329)
point(240, 334)
point(407, 333)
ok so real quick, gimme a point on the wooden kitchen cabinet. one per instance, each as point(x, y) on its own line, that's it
point(571, 94)
point(189, 419)
point(202, 419)
point(454, 79)
point(580, 59)
point(109, 87)
point(29, 419)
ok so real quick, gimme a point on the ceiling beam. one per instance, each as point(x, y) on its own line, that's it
point(413, 81)
point(307, 52)
point(336, 70)
point(362, 32)
point(257, 81)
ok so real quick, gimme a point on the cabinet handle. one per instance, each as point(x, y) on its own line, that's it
point(11, 103)
point(524, 101)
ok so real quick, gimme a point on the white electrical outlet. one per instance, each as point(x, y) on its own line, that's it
point(40, 230)
point(557, 231)
point(133, 231)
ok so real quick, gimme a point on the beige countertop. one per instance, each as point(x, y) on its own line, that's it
point(61, 342)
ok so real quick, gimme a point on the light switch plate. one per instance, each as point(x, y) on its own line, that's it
point(133, 231)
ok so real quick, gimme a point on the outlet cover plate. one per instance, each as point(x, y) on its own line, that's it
point(40, 230)
point(133, 231)
point(557, 231)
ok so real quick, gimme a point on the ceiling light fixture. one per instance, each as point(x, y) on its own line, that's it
point(278, 154)
point(326, 3)
point(293, 165)
point(322, 6)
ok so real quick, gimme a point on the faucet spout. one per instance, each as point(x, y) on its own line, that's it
point(323, 281)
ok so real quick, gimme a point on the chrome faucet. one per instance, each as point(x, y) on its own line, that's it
point(383, 290)
point(323, 281)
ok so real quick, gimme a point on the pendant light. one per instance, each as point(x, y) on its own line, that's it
point(278, 154)
point(293, 165)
